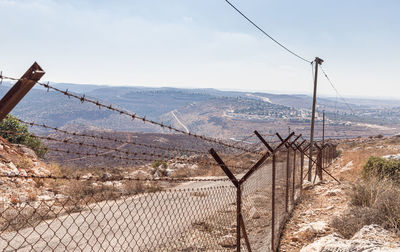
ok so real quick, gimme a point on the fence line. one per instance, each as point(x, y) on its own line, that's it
point(245, 211)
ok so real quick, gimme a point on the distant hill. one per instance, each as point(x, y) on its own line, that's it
point(208, 111)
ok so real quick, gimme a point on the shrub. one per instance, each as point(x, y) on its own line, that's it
point(374, 201)
point(24, 163)
point(348, 224)
point(157, 164)
point(11, 123)
point(133, 187)
point(382, 168)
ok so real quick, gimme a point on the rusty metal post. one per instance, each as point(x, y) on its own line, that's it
point(334, 154)
point(20, 89)
point(294, 176)
point(287, 180)
point(301, 170)
point(273, 202)
point(238, 215)
point(319, 161)
point(238, 194)
point(246, 238)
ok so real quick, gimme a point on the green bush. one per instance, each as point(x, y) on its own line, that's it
point(157, 163)
point(11, 123)
point(382, 168)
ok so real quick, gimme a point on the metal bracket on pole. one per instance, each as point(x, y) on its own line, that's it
point(20, 89)
point(283, 141)
point(224, 167)
point(263, 141)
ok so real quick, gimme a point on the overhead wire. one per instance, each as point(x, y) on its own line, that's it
point(266, 34)
point(337, 92)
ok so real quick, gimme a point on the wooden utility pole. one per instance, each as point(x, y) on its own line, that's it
point(20, 89)
point(317, 61)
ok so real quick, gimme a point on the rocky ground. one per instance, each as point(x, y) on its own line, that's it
point(19, 160)
point(310, 228)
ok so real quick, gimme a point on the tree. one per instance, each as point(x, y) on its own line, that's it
point(23, 136)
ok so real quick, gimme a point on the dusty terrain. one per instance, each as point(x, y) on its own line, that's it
point(311, 221)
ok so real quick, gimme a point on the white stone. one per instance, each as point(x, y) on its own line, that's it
point(254, 214)
point(307, 184)
point(227, 241)
point(86, 176)
point(45, 197)
point(139, 174)
point(314, 227)
point(368, 239)
point(347, 167)
point(393, 157)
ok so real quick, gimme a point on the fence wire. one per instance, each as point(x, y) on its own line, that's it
point(97, 217)
point(165, 214)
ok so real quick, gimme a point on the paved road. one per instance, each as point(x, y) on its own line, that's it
point(139, 223)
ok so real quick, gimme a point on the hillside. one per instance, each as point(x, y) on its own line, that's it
point(228, 114)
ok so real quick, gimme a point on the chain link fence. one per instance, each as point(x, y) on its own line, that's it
point(245, 211)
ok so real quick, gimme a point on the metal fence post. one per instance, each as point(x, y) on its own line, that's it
point(287, 179)
point(301, 170)
point(20, 89)
point(294, 176)
point(319, 161)
point(273, 202)
point(238, 215)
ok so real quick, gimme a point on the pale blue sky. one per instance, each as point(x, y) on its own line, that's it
point(193, 43)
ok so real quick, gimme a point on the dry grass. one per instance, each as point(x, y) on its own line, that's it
point(359, 153)
point(373, 201)
point(133, 187)
point(354, 220)
point(13, 219)
point(24, 163)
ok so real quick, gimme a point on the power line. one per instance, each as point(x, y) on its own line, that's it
point(266, 34)
point(337, 92)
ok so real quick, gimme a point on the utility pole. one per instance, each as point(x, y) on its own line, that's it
point(318, 62)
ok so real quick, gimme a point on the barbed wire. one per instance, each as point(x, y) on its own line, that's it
point(111, 139)
point(157, 156)
point(68, 141)
point(182, 161)
point(134, 116)
point(110, 178)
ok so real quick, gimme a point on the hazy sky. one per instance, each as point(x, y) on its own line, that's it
point(204, 43)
